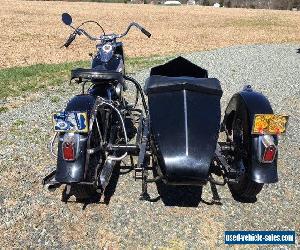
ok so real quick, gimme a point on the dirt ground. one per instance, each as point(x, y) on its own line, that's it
point(32, 31)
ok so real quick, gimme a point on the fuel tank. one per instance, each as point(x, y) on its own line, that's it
point(184, 109)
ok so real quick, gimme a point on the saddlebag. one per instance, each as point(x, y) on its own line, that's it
point(184, 121)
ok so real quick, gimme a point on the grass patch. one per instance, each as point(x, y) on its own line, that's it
point(16, 126)
point(3, 109)
point(54, 99)
point(20, 81)
point(18, 123)
point(138, 63)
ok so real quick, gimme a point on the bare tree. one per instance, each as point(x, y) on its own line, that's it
point(266, 4)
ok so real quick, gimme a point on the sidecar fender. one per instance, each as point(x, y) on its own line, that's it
point(254, 103)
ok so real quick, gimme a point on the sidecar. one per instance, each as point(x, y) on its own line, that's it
point(185, 113)
point(185, 130)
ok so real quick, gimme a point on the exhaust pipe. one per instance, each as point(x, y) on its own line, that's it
point(106, 173)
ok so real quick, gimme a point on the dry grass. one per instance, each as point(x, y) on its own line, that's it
point(34, 31)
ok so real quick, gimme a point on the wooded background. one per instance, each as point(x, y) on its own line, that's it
point(253, 4)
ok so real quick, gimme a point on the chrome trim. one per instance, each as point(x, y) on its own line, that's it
point(99, 131)
point(113, 158)
point(52, 145)
point(262, 142)
point(186, 124)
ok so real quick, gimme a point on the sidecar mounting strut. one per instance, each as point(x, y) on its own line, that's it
point(230, 174)
point(141, 170)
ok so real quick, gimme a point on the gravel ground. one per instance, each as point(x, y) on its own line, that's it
point(31, 217)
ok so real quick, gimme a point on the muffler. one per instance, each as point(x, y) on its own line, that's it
point(106, 173)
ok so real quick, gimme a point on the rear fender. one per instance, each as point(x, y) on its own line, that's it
point(254, 103)
point(74, 171)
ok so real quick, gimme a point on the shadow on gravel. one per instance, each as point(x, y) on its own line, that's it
point(87, 197)
point(181, 196)
point(298, 51)
point(186, 196)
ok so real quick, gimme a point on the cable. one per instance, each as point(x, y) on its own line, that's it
point(124, 130)
point(91, 21)
point(139, 88)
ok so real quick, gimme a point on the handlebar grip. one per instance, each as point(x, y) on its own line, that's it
point(70, 40)
point(147, 33)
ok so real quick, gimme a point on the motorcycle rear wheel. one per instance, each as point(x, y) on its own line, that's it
point(80, 192)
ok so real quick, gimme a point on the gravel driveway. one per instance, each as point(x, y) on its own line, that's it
point(32, 217)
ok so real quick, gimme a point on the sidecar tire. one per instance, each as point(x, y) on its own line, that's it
point(246, 189)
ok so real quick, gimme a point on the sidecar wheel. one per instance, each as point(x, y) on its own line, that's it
point(246, 189)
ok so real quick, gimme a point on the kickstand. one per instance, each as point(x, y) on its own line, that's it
point(66, 193)
point(144, 195)
point(216, 198)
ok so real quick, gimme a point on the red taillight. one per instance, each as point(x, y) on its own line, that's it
point(269, 154)
point(68, 151)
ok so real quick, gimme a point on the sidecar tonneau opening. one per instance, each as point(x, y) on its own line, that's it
point(157, 84)
point(180, 74)
point(179, 67)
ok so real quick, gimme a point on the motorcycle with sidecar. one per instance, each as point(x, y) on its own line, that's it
point(173, 137)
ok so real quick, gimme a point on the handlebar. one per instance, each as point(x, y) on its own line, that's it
point(80, 31)
point(147, 33)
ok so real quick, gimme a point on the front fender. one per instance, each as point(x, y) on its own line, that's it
point(254, 103)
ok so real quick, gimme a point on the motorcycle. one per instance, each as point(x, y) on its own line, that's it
point(174, 135)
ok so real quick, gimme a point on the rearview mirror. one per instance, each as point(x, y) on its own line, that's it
point(66, 18)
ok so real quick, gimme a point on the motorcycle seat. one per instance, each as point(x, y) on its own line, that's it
point(95, 74)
